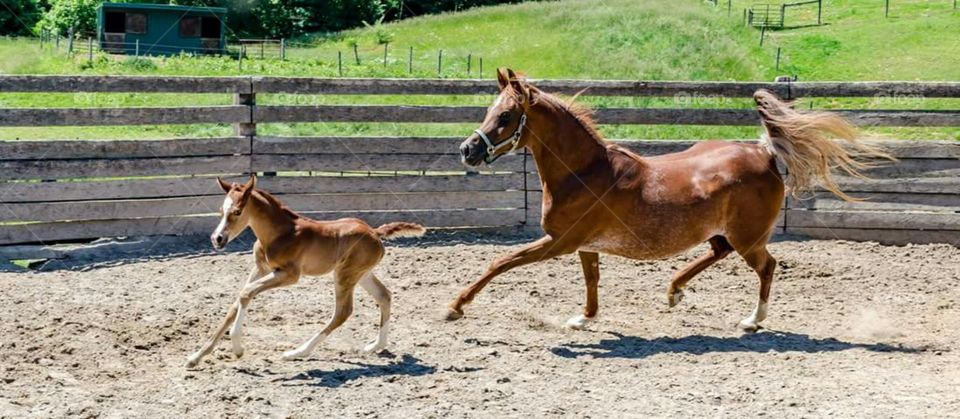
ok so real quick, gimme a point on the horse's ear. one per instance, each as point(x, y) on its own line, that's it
point(502, 78)
point(223, 185)
point(518, 84)
point(248, 188)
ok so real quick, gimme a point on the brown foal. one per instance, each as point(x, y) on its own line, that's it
point(290, 245)
point(601, 198)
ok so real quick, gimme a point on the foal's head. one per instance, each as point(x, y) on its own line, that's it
point(234, 217)
point(502, 129)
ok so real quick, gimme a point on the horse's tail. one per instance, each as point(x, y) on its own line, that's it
point(800, 140)
point(400, 229)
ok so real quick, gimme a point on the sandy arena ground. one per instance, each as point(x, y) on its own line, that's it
point(856, 330)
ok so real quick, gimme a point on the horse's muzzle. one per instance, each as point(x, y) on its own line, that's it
point(219, 241)
point(472, 151)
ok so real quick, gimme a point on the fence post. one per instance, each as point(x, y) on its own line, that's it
point(783, 15)
point(385, 45)
point(469, 62)
point(90, 50)
point(340, 63)
point(70, 41)
point(886, 8)
point(480, 70)
point(763, 33)
point(410, 61)
point(249, 128)
point(57, 40)
point(283, 49)
point(729, 7)
point(439, 62)
point(243, 51)
point(136, 50)
point(356, 54)
point(820, 10)
point(778, 58)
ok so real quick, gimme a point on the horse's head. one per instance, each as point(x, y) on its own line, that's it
point(502, 130)
point(233, 215)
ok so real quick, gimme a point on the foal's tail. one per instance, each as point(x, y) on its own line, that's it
point(400, 229)
point(800, 140)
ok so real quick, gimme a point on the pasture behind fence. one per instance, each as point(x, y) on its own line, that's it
point(73, 190)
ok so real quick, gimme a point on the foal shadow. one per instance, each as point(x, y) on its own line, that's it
point(407, 366)
point(633, 347)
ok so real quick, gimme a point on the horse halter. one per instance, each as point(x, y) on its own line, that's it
point(510, 141)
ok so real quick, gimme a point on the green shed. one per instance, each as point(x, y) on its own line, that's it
point(161, 29)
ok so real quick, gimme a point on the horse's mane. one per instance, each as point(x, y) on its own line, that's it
point(273, 201)
point(583, 114)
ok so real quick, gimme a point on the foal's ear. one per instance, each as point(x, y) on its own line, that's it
point(223, 185)
point(518, 84)
point(502, 78)
point(248, 188)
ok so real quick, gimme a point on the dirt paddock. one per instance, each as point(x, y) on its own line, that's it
point(856, 329)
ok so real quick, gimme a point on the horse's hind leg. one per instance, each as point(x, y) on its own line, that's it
point(719, 249)
point(590, 261)
point(760, 260)
point(381, 294)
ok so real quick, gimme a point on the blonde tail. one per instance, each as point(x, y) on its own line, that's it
point(400, 229)
point(800, 140)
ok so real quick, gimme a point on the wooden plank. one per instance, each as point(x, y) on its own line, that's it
point(144, 208)
point(883, 201)
point(916, 168)
point(38, 117)
point(66, 169)
point(932, 185)
point(357, 145)
point(646, 116)
point(371, 162)
point(105, 84)
point(605, 87)
point(11, 192)
point(873, 220)
point(883, 236)
point(73, 230)
point(95, 149)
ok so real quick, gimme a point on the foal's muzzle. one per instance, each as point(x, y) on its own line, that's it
point(472, 151)
point(219, 241)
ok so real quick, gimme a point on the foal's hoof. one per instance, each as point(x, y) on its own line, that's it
point(578, 322)
point(453, 314)
point(292, 355)
point(193, 360)
point(374, 347)
point(674, 298)
point(748, 326)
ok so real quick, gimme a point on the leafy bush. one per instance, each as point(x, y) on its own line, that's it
point(81, 15)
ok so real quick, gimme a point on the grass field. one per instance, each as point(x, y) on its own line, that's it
point(599, 39)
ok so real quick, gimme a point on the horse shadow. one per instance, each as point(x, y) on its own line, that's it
point(407, 366)
point(634, 347)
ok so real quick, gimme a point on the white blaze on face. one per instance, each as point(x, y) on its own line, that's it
point(225, 209)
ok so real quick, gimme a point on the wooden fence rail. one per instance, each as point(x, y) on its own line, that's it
point(77, 190)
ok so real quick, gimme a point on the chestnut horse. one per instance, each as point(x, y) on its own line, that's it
point(290, 245)
point(599, 197)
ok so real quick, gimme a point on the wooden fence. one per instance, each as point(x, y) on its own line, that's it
point(73, 190)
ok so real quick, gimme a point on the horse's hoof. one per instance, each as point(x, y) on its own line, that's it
point(374, 347)
point(578, 322)
point(193, 360)
point(748, 326)
point(453, 314)
point(292, 355)
point(674, 298)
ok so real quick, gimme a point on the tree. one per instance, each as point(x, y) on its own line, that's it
point(18, 17)
point(80, 15)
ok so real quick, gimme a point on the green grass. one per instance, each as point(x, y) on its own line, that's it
point(589, 39)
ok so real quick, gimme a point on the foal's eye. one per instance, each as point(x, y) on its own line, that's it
point(503, 118)
point(236, 212)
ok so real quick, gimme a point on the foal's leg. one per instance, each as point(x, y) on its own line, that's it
point(379, 292)
point(719, 249)
point(236, 332)
point(590, 261)
point(344, 284)
point(271, 280)
point(764, 264)
point(544, 248)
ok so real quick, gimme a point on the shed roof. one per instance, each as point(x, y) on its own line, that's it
point(164, 7)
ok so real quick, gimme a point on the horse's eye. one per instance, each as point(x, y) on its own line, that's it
point(236, 212)
point(503, 118)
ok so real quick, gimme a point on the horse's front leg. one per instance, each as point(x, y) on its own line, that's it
point(590, 261)
point(544, 248)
